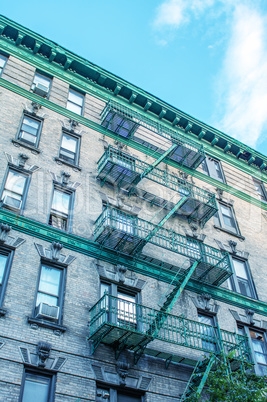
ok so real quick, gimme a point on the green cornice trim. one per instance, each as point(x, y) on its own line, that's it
point(94, 250)
point(97, 127)
point(220, 142)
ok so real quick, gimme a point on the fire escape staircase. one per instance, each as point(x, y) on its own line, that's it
point(126, 172)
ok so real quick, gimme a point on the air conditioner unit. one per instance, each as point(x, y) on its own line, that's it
point(11, 202)
point(46, 311)
point(40, 89)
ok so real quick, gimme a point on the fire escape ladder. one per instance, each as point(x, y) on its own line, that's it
point(161, 316)
point(140, 246)
point(152, 166)
point(198, 378)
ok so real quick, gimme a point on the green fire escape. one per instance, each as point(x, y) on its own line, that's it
point(127, 234)
point(130, 124)
point(125, 172)
point(126, 325)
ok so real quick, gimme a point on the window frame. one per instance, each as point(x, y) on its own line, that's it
point(40, 373)
point(119, 126)
point(6, 57)
point(262, 194)
point(213, 329)
point(219, 220)
point(114, 391)
point(75, 91)
point(233, 280)
point(71, 193)
point(247, 331)
point(61, 292)
point(24, 143)
point(77, 155)
point(48, 77)
point(208, 168)
point(25, 190)
point(114, 289)
point(10, 254)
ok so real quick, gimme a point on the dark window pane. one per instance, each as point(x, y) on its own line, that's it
point(36, 388)
point(121, 397)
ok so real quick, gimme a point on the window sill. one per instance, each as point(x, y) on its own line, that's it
point(36, 322)
point(9, 208)
point(18, 143)
point(2, 312)
point(63, 162)
point(229, 232)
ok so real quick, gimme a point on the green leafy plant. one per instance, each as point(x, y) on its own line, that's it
point(242, 385)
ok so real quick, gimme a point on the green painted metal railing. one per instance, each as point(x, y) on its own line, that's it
point(157, 175)
point(116, 313)
point(155, 127)
point(135, 231)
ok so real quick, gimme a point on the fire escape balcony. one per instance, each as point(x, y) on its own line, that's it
point(120, 169)
point(128, 234)
point(129, 123)
point(123, 324)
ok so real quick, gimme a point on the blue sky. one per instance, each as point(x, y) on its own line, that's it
point(205, 57)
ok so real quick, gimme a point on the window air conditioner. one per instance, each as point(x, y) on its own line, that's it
point(11, 202)
point(40, 89)
point(44, 310)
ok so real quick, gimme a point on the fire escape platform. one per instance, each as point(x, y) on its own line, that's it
point(124, 171)
point(129, 123)
point(128, 234)
point(125, 325)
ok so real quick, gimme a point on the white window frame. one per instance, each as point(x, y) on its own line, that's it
point(260, 190)
point(7, 192)
point(235, 280)
point(220, 222)
point(3, 63)
point(38, 131)
point(64, 218)
point(211, 167)
point(61, 156)
point(74, 106)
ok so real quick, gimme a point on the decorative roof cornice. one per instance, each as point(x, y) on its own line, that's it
point(49, 52)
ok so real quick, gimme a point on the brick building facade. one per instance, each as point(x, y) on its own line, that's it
point(119, 210)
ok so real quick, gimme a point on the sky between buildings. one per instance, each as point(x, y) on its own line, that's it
point(208, 58)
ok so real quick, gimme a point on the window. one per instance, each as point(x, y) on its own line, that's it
point(225, 218)
point(258, 348)
point(14, 193)
point(75, 101)
point(3, 60)
point(69, 148)
point(60, 209)
point(30, 131)
point(208, 332)
point(193, 249)
point(260, 189)
point(41, 84)
point(5, 265)
point(241, 280)
point(213, 168)
point(119, 124)
point(122, 306)
point(116, 395)
point(49, 298)
point(37, 386)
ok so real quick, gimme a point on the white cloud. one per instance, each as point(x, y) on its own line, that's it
point(171, 14)
point(243, 78)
